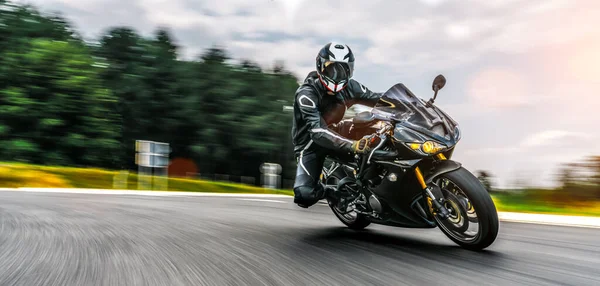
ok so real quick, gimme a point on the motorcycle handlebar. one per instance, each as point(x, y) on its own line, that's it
point(385, 129)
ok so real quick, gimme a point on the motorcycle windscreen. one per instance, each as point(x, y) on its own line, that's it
point(401, 102)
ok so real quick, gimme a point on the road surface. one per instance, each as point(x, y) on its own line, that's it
point(86, 239)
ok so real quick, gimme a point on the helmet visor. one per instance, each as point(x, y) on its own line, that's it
point(336, 71)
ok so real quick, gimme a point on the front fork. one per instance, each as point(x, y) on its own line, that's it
point(442, 212)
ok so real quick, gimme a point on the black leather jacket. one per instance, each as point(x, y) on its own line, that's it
point(315, 111)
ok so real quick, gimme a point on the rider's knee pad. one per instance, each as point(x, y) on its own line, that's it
point(304, 192)
point(307, 195)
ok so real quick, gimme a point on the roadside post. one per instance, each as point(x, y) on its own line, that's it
point(270, 175)
point(152, 159)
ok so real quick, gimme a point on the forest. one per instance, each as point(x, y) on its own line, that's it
point(66, 101)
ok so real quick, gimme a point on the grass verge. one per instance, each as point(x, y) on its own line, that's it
point(521, 204)
point(15, 175)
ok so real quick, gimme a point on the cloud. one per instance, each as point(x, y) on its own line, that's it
point(547, 6)
point(494, 150)
point(91, 18)
point(397, 34)
point(543, 139)
point(291, 7)
point(89, 6)
point(293, 52)
point(433, 2)
point(498, 88)
point(550, 137)
point(458, 31)
point(174, 14)
point(540, 155)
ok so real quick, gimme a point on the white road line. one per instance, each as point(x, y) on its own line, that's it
point(262, 200)
point(558, 220)
point(143, 193)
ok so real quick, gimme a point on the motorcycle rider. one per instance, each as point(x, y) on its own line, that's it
point(319, 105)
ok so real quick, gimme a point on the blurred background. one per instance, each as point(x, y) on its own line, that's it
point(81, 81)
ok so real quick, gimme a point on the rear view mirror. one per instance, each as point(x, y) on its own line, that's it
point(438, 83)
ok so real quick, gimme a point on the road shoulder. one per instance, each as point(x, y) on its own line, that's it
point(560, 220)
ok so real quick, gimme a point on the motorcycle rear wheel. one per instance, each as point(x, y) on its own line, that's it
point(466, 196)
point(352, 219)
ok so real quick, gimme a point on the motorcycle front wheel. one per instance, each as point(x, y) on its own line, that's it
point(473, 221)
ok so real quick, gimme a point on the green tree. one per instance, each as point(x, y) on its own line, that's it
point(593, 164)
point(241, 120)
point(145, 76)
point(486, 179)
point(65, 101)
point(55, 109)
point(123, 50)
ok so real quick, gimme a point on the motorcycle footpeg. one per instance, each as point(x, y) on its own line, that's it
point(329, 193)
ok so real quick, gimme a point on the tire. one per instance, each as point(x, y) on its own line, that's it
point(360, 221)
point(484, 208)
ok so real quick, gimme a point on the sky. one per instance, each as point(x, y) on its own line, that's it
point(523, 76)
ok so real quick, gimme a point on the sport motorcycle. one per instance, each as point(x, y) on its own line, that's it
point(409, 179)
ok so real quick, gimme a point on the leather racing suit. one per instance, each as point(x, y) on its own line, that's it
point(315, 111)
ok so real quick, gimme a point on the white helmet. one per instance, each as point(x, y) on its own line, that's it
point(335, 66)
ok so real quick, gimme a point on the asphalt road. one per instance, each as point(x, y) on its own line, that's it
point(74, 239)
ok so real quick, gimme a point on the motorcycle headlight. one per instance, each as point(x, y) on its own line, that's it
point(428, 147)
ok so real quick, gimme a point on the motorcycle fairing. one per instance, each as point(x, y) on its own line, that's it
point(401, 105)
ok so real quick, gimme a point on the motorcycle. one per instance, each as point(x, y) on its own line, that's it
point(408, 178)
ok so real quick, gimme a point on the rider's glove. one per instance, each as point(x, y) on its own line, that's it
point(362, 146)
